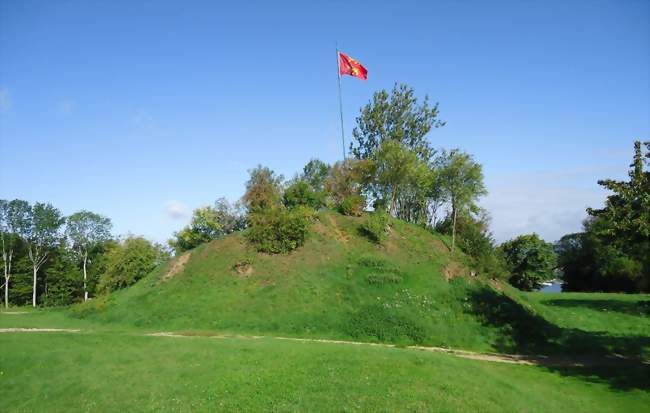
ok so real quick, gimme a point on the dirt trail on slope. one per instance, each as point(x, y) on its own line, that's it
point(530, 360)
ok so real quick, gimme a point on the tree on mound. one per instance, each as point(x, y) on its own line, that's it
point(274, 227)
point(208, 223)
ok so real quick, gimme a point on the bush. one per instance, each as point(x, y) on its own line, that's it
point(375, 227)
point(352, 205)
point(300, 193)
point(130, 261)
point(279, 230)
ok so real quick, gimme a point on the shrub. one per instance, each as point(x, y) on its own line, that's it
point(300, 193)
point(130, 261)
point(279, 230)
point(352, 205)
point(375, 227)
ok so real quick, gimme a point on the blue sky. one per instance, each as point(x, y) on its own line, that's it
point(144, 110)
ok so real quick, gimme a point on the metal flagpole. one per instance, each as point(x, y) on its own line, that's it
point(338, 73)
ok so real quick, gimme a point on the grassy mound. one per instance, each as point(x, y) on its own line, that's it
point(340, 284)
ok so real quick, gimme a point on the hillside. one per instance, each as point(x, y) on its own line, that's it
point(410, 290)
point(339, 284)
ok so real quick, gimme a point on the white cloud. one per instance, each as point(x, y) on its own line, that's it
point(550, 204)
point(5, 100)
point(176, 209)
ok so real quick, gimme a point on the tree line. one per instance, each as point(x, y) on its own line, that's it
point(52, 259)
point(394, 171)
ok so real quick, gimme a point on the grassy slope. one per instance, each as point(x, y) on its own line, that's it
point(127, 372)
point(322, 289)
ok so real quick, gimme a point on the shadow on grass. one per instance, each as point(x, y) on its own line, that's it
point(524, 332)
point(639, 308)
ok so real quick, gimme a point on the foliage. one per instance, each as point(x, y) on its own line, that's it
point(279, 230)
point(529, 260)
point(85, 229)
point(300, 193)
point(396, 116)
point(314, 173)
point(476, 241)
point(207, 224)
point(613, 251)
point(263, 189)
point(375, 227)
point(130, 261)
point(344, 184)
point(462, 179)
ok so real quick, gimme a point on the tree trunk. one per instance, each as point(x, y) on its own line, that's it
point(34, 287)
point(453, 232)
point(6, 292)
point(85, 278)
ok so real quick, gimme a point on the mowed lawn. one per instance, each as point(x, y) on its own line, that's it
point(102, 369)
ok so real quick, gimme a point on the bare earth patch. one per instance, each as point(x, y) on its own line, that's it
point(243, 268)
point(38, 330)
point(177, 265)
point(14, 312)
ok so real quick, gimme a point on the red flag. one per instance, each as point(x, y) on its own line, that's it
point(349, 66)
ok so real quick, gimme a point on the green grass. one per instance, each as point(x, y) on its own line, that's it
point(126, 372)
point(338, 279)
point(339, 285)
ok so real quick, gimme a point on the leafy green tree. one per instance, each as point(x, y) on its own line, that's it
point(314, 173)
point(278, 230)
point(14, 222)
point(86, 230)
point(529, 260)
point(395, 165)
point(476, 241)
point(207, 224)
point(263, 189)
point(301, 193)
point(613, 251)
point(396, 116)
point(42, 236)
point(462, 180)
point(345, 182)
point(129, 262)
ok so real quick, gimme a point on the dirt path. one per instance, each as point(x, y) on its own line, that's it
point(530, 360)
point(38, 330)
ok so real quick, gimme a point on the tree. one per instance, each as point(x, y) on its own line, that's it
point(130, 261)
point(14, 220)
point(208, 223)
point(530, 261)
point(314, 173)
point(43, 234)
point(395, 166)
point(462, 180)
point(301, 193)
point(613, 251)
point(263, 189)
point(397, 117)
point(345, 182)
point(476, 241)
point(85, 230)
